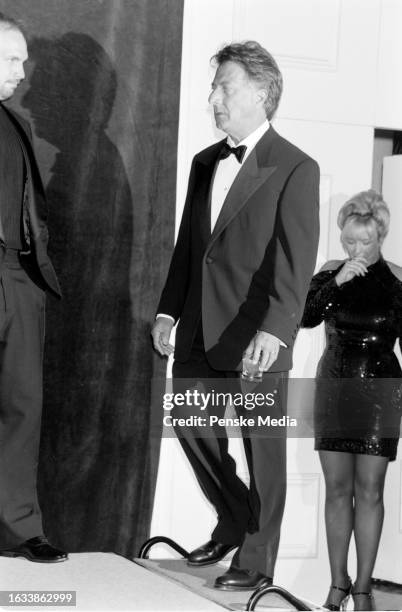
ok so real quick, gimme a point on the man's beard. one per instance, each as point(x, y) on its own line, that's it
point(6, 91)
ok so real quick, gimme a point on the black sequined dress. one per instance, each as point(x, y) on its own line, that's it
point(358, 387)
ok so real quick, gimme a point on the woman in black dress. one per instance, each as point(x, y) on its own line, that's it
point(358, 400)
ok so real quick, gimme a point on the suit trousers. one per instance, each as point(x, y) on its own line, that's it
point(22, 312)
point(249, 517)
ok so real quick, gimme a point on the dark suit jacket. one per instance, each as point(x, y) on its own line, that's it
point(253, 272)
point(34, 211)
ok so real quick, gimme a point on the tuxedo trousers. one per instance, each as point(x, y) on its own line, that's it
point(249, 517)
point(22, 312)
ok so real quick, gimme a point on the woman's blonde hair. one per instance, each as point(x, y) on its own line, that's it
point(364, 207)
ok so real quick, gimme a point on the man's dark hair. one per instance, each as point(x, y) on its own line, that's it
point(9, 23)
point(260, 67)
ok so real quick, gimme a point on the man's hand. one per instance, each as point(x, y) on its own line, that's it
point(353, 267)
point(160, 333)
point(263, 348)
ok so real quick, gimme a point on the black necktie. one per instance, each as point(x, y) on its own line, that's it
point(238, 152)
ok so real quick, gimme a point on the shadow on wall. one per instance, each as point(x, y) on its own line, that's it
point(89, 388)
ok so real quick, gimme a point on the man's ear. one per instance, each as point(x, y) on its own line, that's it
point(262, 96)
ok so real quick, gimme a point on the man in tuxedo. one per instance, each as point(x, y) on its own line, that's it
point(237, 284)
point(25, 274)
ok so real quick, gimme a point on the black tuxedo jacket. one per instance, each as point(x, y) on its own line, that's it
point(253, 272)
point(34, 211)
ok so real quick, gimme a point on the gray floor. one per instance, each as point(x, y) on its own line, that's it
point(102, 582)
point(201, 580)
point(109, 582)
point(387, 597)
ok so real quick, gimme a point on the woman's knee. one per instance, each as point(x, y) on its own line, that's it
point(369, 490)
point(338, 488)
point(338, 469)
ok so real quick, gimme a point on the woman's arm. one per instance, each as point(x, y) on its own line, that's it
point(321, 294)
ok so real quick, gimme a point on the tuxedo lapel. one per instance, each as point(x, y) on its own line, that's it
point(202, 196)
point(25, 138)
point(28, 197)
point(31, 218)
point(34, 209)
point(202, 193)
point(23, 132)
point(16, 119)
point(255, 171)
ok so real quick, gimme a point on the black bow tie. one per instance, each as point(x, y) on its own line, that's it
point(238, 152)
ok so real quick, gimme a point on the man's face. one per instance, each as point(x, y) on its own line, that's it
point(13, 54)
point(238, 102)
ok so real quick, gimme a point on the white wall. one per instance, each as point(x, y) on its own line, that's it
point(333, 54)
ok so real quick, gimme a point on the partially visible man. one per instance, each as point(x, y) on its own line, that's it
point(25, 274)
point(237, 284)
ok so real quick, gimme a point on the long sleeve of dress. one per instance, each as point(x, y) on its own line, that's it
point(321, 298)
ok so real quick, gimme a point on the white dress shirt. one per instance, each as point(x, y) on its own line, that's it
point(228, 168)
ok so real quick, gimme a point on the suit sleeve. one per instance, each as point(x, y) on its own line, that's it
point(292, 254)
point(175, 290)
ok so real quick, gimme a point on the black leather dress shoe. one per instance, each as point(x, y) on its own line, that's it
point(241, 580)
point(209, 553)
point(36, 549)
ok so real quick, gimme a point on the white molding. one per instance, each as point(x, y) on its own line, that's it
point(326, 183)
point(400, 498)
point(308, 485)
point(317, 335)
point(183, 148)
point(242, 29)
